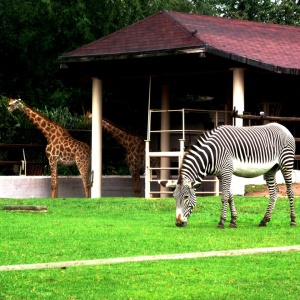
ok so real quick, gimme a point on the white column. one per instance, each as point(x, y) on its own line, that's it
point(96, 138)
point(238, 93)
point(165, 137)
point(238, 103)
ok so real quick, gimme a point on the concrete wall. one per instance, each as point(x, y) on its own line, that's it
point(68, 187)
point(112, 186)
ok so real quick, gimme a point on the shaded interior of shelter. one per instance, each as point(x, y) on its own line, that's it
point(195, 82)
point(191, 78)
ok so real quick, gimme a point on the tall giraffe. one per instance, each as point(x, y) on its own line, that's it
point(135, 151)
point(61, 149)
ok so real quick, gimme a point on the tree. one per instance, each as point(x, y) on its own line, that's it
point(285, 12)
point(35, 33)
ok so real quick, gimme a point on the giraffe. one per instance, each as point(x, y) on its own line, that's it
point(135, 151)
point(61, 149)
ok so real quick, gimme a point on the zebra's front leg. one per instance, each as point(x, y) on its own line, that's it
point(223, 214)
point(227, 197)
point(233, 212)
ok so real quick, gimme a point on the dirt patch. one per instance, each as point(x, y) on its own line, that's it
point(281, 191)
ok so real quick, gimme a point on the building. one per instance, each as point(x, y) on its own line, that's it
point(243, 65)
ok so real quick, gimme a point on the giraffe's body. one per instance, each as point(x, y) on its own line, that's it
point(135, 152)
point(61, 149)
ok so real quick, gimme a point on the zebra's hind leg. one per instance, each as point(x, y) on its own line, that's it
point(272, 186)
point(290, 193)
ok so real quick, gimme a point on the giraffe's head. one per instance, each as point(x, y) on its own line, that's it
point(14, 104)
point(88, 114)
point(185, 196)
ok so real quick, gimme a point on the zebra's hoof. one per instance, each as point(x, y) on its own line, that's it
point(293, 224)
point(221, 226)
point(232, 225)
point(262, 224)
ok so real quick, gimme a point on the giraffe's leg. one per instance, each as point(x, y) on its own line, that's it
point(84, 170)
point(137, 186)
point(136, 183)
point(272, 186)
point(54, 178)
point(155, 163)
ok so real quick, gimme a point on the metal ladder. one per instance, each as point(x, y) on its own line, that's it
point(149, 192)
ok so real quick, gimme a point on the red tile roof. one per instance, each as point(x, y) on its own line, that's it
point(268, 46)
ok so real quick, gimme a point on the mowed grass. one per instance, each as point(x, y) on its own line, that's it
point(87, 229)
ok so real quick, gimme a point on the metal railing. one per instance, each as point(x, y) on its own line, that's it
point(214, 117)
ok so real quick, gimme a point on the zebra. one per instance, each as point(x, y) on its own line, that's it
point(243, 151)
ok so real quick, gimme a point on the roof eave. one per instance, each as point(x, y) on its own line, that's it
point(130, 55)
point(64, 60)
point(253, 62)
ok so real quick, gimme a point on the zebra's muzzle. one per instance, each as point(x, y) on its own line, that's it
point(180, 222)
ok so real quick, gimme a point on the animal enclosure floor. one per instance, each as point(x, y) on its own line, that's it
point(281, 191)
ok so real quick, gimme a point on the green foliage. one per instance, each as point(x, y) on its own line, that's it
point(63, 117)
point(35, 33)
point(15, 128)
point(285, 12)
point(87, 229)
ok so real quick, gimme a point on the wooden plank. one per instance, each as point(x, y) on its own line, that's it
point(150, 258)
point(2, 145)
point(270, 118)
point(25, 208)
point(18, 162)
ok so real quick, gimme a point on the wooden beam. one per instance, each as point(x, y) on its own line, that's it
point(269, 118)
point(25, 208)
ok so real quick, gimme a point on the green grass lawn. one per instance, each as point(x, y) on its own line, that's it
point(86, 229)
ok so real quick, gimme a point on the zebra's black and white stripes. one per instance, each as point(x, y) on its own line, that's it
point(242, 151)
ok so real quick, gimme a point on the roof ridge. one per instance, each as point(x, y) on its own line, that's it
point(170, 17)
point(112, 34)
point(238, 20)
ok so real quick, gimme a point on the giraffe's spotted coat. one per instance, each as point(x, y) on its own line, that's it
point(61, 149)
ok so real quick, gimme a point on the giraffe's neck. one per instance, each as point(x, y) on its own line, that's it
point(48, 128)
point(121, 136)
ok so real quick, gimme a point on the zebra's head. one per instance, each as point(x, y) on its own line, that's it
point(185, 196)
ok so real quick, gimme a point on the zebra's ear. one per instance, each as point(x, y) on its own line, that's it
point(168, 183)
